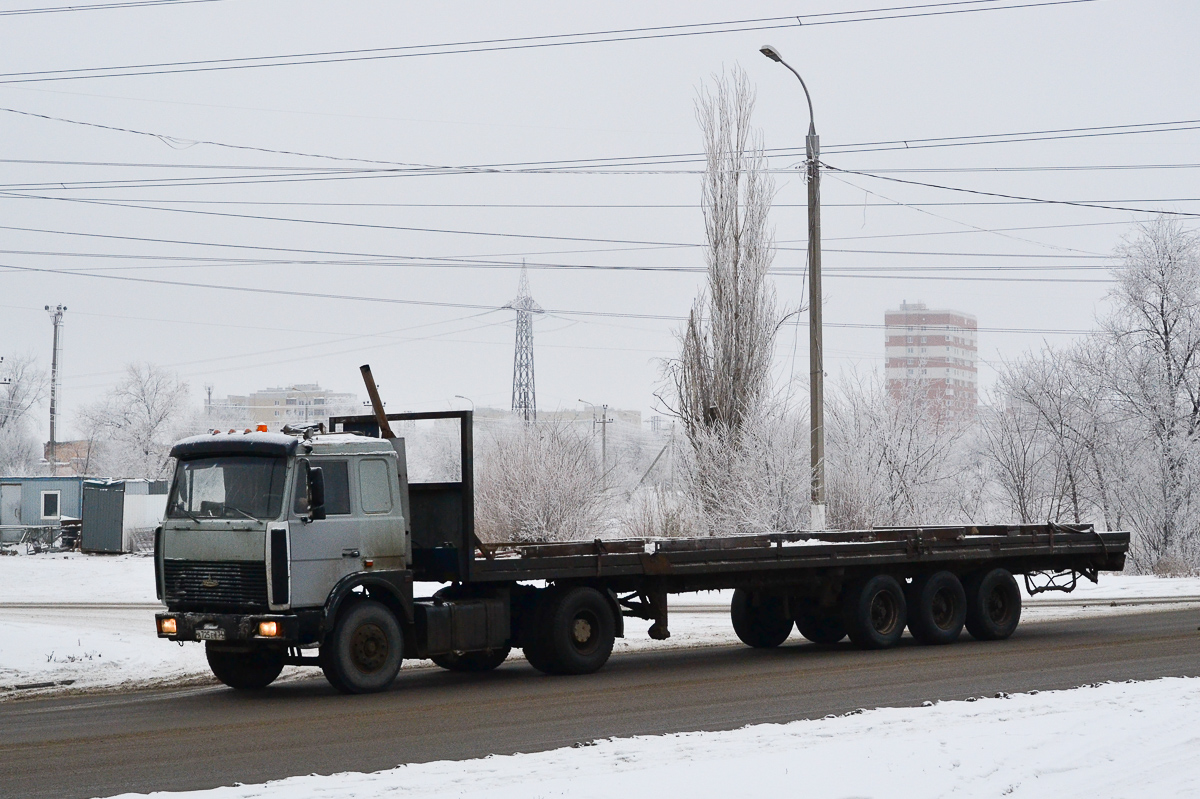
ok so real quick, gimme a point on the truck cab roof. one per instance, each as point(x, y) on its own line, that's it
point(277, 445)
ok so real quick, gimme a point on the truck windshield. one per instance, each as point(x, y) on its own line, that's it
point(227, 487)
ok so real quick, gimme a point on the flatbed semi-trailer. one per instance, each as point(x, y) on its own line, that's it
point(304, 549)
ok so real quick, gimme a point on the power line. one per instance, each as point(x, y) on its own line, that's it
point(1013, 197)
point(101, 7)
point(524, 42)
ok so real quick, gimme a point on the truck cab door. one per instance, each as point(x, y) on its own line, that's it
point(325, 550)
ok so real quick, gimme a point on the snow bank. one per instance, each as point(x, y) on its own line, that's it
point(1110, 740)
point(74, 577)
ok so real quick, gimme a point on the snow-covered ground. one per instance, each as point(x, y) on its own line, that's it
point(73, 647)
point(1110, 740)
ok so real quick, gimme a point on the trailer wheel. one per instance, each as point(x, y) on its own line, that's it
point(472, 661)
point(578, 631)
point(937, 608)
point(761, 620)
point(821, 626)
point(533, 631)
point(874, 612)
point(364, 651)
point(993, 605)
point(245, 671)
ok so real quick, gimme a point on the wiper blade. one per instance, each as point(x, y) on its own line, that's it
point(244, 514)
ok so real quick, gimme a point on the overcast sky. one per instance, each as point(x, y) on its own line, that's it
point(288, 221)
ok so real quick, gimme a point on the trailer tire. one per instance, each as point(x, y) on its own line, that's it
point(364, 652)
point(578, 631)
point(821, 626)
point(472, 661)
point(993, 605)
point(533, 632)
point(937, 608)
point(874, 612)
point(245, 671)
point(761, 620)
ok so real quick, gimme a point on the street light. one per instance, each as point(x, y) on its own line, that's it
point(468, 399)
point(816, 359)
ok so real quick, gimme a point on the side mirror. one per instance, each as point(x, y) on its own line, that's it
point(315, 479)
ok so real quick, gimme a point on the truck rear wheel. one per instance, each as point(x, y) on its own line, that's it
point(819, 625)
point(576, 634)
point(993, 605)
point(937, 608)
point(363, 653)
point(761, 620)
point(472, 661)
point(245, 671)
point(874, 612)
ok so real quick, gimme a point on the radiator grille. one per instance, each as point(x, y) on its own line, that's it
point(212, 585)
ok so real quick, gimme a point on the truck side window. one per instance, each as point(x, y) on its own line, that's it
point(337, 487)
point(374, 486)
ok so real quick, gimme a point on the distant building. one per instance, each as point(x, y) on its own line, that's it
point(276, 407)
point(72, 457)
point(935, 352)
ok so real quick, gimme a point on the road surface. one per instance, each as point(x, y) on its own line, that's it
point(205, 737)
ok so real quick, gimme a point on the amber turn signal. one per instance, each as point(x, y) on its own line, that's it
point(268, 629)
point(167, 626)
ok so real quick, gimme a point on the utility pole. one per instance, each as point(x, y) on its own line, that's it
point(816, 356)
point(208, 390)
point(604, 422)
point(57, 317)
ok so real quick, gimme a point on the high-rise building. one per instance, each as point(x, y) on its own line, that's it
point(934, 352)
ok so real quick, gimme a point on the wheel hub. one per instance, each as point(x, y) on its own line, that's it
point(885, 613)
point(369, 648)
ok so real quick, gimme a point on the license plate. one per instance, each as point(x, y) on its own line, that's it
point(210, 634)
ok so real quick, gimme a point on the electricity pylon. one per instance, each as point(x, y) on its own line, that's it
point(524, 396)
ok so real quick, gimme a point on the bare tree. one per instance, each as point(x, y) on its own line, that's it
point(134, 426)
point(1154, 332)
point(892, 459)
point(722, 377)
point(20, 452)
point(538, 482)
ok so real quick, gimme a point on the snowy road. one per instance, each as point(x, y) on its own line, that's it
point(203, 737)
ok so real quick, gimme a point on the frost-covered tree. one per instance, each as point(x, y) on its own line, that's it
point(1154, 337)
point(132, 429)
point(722, 379)
point(20, 395)
point(892, 458)
point(537, 482)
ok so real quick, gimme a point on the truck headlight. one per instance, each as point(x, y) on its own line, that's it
point(167, 626)
point(268, 629)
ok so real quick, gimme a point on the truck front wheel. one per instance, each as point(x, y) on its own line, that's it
point(245, 671)
point(363, 653)
point(761, 620)
point(993, 605)
point(874, 612)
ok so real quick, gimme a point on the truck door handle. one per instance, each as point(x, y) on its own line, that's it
point(350, 553)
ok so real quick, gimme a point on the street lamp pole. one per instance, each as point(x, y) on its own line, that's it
point(816, 358)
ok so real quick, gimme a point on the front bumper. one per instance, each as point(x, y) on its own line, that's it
point(229, 627)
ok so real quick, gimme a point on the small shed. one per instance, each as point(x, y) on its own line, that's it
point(27, 502)
point(120, 515)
